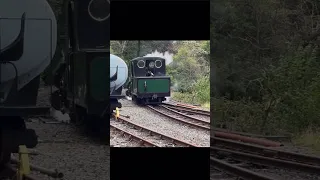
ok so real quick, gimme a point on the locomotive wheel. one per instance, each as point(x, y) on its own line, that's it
point(77, 115)
point(104, 130)
point(5, 153)
point(128, 93)
point(8, 124)
point(136, 100)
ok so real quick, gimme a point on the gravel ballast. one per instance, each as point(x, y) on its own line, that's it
point(61, 146)
point(76, 156)
point(156, 122)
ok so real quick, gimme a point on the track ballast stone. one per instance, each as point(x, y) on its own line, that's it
point(156, 122)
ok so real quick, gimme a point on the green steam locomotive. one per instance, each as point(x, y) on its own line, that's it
point(148, 83)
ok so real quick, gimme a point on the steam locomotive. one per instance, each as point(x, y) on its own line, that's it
point(82, 75)
point(28, 43)
point(148, 81)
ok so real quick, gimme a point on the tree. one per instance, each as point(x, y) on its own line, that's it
point(190, 63)
point(266, 61)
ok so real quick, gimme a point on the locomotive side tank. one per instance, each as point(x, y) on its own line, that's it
point(118, 77)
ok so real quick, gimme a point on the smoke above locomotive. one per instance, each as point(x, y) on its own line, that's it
point(118, 74)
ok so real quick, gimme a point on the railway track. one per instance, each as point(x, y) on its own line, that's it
point(222, 150)
point(269, 137)
point(146, 136)
point(224, 169)
point(187, 109)
point(180, 117)
point(9, 171)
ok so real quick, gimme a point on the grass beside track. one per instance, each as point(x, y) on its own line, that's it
point(189, 99)
point(310, 139)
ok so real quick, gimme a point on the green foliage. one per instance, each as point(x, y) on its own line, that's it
point(201, 90)
point(199, 94)
point(190, 63)
point(266, 65)
point(190, 70)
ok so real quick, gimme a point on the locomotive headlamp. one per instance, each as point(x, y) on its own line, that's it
point(99, 10)
point(151, 64)
point(141, 64)
point(158, 63)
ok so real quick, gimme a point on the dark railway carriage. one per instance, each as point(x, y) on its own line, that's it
point(148, 81)
point(82, 76)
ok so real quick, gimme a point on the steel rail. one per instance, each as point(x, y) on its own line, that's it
point(236, 170)
point(259, 141)
point(180, 120)
point(275, 137)
point(187, 108)
point(267, 161)
point(185, 115)
point(265, 151)
point(172, 139)
point(140, 139)
point(195, 111)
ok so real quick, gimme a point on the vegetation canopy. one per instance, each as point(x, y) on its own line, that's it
point(266, 63)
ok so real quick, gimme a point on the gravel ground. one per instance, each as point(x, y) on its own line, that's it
point(158, 123)
point(118, 140)
point(64, 148)
point(143, 135)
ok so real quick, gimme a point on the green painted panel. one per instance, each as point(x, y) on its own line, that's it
point(154, 85)
point(99, 79)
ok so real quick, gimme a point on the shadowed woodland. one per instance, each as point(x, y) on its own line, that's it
point(266, 66)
